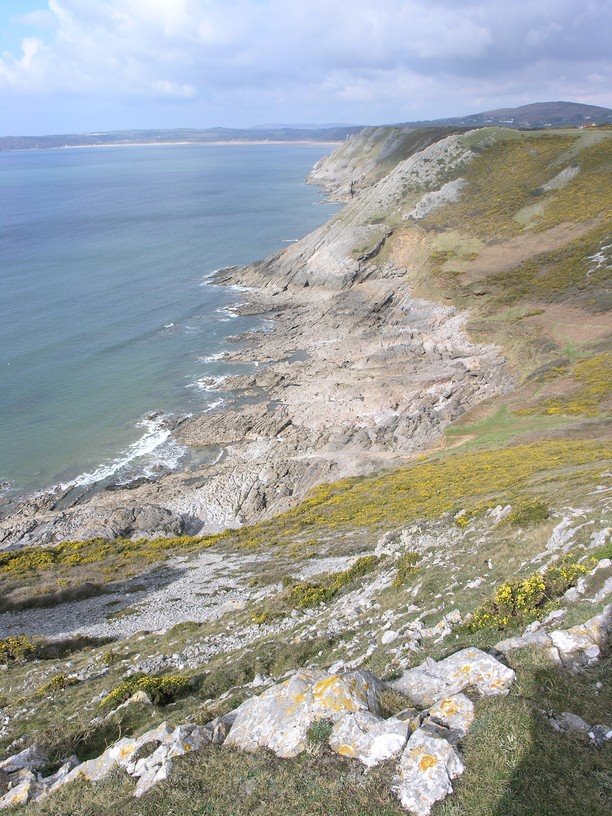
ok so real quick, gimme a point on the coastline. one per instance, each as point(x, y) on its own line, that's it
point(236, 142)
point(355, 375)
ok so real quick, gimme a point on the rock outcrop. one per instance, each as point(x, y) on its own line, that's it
point(280, 718)
point(431, 682)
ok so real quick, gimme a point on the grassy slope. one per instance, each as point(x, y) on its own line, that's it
point(546, 441)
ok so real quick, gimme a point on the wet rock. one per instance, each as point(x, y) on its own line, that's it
point(369, 738)
point(279, 719)
point(426, 770)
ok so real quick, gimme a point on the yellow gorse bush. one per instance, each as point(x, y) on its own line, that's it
point(304, 594)
point(517, 600)
point(16, 648)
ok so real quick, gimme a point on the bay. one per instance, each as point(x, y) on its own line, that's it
point(104, 312)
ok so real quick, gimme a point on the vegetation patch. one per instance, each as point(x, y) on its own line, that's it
point(526, 512)
point(17, 648)
point(320, 732)
point(162, 689)
point(594, 376)
point(303, 594)
point(519, 601)
point(431, 488)
point(58, 682)
point(507, 175)
point(406, 568)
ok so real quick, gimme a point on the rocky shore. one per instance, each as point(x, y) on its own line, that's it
point(353, 373)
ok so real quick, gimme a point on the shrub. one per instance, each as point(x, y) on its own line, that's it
point(303, 594)
point(593, 377)
point(17, 648)
point(58, 682)
point(527, 511)
point(162, 689)
point(521, 599)
point(266, 616)
point(406, 568)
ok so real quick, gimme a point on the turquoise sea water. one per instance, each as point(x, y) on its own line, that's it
point(105, 315)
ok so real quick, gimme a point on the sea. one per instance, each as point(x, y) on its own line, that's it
point(109, 324)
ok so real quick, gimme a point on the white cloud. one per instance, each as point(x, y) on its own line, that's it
point(343, 55)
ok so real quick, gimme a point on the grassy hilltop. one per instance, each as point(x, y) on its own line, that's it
point(495, 526)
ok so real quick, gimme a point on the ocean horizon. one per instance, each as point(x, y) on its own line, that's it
point(108, 322)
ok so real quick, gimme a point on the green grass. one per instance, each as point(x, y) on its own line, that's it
point(507, 174)
point(515, 766)
point(501, 427)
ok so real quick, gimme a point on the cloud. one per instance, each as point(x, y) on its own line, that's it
point(355, 57)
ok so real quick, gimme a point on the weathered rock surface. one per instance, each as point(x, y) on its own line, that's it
point(279, 719)
point(431, 682)
point(581, 646)
point(426, 770)
point(455, 712)
point(30, 759)
point(368, 738)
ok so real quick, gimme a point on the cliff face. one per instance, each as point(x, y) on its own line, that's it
point(364, 158)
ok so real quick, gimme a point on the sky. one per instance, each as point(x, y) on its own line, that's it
point(87, 65)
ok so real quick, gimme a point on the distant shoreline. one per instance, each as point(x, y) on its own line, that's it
point(237, 143)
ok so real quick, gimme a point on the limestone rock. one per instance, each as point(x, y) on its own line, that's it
point(430, 682)
point(423, 685)
point(369, 738)
point(568, 722)
point(426, 770)
point(600, 734)
point(22, 793)
point(118, 754)
point(455, 712)
point(57, 779)
point(528, 639)
point(151, 777)
point(31, 758)
point(279, 719)
point(581, 645)
point(472, 668)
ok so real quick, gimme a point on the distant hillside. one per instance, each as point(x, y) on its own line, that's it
point(190, 135)
point(536, 115)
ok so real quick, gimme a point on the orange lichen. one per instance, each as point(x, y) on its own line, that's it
point(427, 761)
